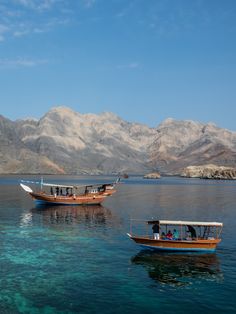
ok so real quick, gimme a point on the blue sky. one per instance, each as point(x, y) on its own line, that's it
point(145, 60)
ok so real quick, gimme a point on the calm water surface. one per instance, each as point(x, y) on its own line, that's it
point(76, 259)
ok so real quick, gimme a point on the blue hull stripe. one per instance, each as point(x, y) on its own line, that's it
point(176, 249)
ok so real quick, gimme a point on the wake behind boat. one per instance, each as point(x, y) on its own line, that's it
point(57, 194)
point(169, 235)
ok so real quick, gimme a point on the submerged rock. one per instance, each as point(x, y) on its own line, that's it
point(210, 172)
point(153, 175)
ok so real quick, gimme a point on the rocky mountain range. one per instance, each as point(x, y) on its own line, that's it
point(67, 142)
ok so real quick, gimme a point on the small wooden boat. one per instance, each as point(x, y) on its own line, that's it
point(189, 236)
point(70, 194)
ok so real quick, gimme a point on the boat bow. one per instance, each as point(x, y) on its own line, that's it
point(26, 188)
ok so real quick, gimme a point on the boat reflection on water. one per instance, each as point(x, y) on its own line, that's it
point(178, 269)
point(71, 215)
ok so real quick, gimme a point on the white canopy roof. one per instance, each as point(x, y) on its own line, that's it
point(59, 185)
point(185, 223)
point(42, 183)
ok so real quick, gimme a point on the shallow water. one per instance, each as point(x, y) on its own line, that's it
point(78, 259)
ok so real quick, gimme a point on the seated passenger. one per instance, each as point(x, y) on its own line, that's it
point(169, 235)
point(163, 236)
point(175, 234)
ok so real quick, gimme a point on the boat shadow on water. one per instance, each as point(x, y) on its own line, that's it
point(179, 269)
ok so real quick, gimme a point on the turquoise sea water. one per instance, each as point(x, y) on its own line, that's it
point(76, 259)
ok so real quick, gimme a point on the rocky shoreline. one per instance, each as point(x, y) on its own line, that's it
point(153, 175)
point(210, 172)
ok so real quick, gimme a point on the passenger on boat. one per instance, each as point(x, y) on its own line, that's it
point(169, 235)
point(51, 191)
point(156, 230)
point(192, 231)
point(175, 234)
point(57, 190)
point(163, 236)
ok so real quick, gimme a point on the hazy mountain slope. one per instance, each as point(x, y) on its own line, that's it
point(89, 143)
point(64, 141)
point(179, 144)
point(15, 157)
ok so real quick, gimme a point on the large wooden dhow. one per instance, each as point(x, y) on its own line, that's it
point(57, 194)
point(180, 236)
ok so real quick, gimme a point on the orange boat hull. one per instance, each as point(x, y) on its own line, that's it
point(177, 245)
point(43, 198)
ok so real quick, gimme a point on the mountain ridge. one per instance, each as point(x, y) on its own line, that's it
point(68, 142)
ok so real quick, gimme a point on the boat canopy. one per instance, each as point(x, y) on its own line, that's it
point(60, 185)
point(68, 186)
point(185, 223)
point(75, 186)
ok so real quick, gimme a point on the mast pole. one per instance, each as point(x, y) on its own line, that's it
point(41, 183)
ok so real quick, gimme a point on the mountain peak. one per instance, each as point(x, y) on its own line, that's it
point(110, 115)
point(170, 122)
point(62, 110)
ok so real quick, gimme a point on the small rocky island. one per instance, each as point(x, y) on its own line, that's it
point(210, 172)
point(153, 175)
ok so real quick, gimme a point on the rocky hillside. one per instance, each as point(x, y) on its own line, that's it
point(89, 143)
point(15, 157)
point(64, 141)
point(210, 172)
point(179, 144)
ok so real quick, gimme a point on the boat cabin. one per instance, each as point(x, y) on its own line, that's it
point(187, 230)
point(177, 235)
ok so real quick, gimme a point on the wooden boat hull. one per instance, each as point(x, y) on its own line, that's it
point(42, 198)
point(109, 192)
point(206, 245)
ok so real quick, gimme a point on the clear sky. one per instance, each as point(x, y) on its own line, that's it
point(145, 60)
